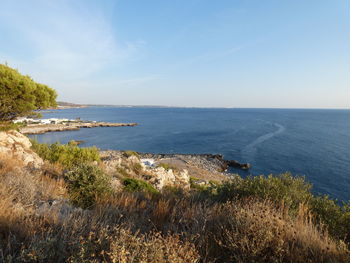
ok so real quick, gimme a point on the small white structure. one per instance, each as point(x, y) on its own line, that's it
point(41, 121)
point(148, 162)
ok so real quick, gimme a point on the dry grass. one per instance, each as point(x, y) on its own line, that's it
point(136, 227)
point(241, 231)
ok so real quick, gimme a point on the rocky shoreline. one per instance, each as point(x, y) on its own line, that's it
point(44, 128)
point(211, 162)
point(171, 169)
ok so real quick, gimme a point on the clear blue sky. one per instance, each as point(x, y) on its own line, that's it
point(222, 53)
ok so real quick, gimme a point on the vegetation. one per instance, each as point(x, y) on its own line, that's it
point(20, 95)
point(70, 210)
point(335, 217)
point(7, 125)
point(253, 219)
point(121, 172)
point(167, 166)
point(136, 185)
point(284, 188)
point(69, 155)
point(195, 184)
point(128, 154)
point(86, 184)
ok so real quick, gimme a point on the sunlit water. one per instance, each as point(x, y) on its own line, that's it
point(314, 143)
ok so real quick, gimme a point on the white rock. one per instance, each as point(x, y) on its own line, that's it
point(16, 145)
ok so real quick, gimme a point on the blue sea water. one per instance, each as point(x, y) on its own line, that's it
point(312, 143)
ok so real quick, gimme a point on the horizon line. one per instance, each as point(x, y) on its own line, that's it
point(201, 107)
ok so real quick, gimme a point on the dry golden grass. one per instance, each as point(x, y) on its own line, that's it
point(136, 227)
point(240, 231)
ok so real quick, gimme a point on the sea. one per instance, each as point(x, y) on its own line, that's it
point(313, 143)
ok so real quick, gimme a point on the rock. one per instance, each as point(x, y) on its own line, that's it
point(243, 166)
point(164, 178)
point(16, 145)
point(111, 160)
point(59, 210)
point(157, 176)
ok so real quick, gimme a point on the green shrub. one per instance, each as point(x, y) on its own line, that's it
point(131, 153)
point(6, 126)
point(86, 183)
point(167, 166)
point(68, 155)
point(334, 216)
point(194, 184)
point(135, 185)
point(292, 191)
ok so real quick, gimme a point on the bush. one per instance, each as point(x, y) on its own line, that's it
point(257, 231)
point(292, 191)
point(194, 184)
point(167, 166)
point(86, 183)
point(334, 216)
point(6, 126)
point(68, 155)
point(135, 185)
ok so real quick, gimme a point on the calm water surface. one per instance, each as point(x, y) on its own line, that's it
point(314, 143)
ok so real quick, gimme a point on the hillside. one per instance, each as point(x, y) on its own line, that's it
point(76, 204)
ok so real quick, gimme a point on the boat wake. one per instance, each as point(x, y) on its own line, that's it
point(249, 151)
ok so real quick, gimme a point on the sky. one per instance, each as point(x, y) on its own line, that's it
point(193, 53)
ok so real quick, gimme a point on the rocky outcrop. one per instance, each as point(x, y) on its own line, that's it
point(111, 160)
point(209, 162)
point(235, 164)
point(118, 163)
point(163, 177)
point(16, 145)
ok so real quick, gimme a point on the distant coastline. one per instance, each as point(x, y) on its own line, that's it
point(68, 105)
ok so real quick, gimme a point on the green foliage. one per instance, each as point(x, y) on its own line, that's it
point(6, 126)
point(44, 97)
point(68, 155)
point(292, 191)
point(334, 216)
point(135, 185)
point(281, 188)
point(86, 183)
point(20, 95)
point(167, 166)
point(194, 184)
point(131, 153)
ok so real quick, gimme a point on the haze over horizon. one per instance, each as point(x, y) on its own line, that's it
point(230, 53)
